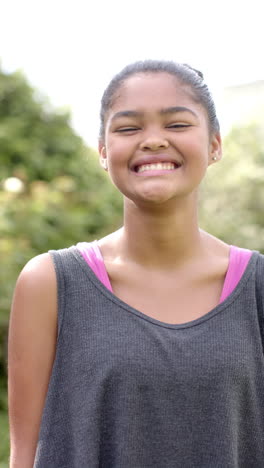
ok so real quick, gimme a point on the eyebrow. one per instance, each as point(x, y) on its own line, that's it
point(177, 109)
point(168, 110)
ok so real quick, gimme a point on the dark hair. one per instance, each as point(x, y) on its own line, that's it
point(183, 72)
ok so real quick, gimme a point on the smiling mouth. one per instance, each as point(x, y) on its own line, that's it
point(161, 166)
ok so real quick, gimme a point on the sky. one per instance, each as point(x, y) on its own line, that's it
point(70, 49)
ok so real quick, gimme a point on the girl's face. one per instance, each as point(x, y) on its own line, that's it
point(157, 144)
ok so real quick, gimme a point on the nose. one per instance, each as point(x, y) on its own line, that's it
point(154, 142)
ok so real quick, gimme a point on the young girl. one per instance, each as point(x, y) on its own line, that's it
point(143, 349)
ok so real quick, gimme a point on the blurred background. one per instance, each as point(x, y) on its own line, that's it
point(55, 60)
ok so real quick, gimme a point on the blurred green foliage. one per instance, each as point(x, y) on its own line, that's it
point(65, 197)
point(232, 195)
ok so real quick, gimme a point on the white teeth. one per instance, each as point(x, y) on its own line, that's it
point(156, 167)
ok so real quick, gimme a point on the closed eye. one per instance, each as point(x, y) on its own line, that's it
point(127, 129)
point(179, 126)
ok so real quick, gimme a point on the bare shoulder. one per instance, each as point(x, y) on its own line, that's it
point(37, 279)
point(35, 296)
point(39, 271)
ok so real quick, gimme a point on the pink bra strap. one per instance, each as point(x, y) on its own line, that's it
point(238, 261)
point(92, 255)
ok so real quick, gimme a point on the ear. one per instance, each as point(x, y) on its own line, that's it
point(103, 156)
point(215, 149)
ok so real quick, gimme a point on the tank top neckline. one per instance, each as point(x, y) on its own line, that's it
point(208, 315)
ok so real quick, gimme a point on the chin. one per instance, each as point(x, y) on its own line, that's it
point(154, 198)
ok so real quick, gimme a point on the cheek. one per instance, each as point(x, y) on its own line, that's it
point(117, 152)
point(199, 145)
point(114, 154)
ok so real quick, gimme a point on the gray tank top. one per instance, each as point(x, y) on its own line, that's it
point(129, 391)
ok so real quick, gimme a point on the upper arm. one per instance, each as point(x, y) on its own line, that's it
point(31, 351)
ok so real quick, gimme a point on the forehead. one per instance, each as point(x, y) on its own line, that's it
point(149, 91)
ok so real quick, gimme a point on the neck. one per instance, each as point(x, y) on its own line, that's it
point(160, 235)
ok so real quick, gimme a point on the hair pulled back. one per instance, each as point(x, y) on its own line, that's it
point(184, 73)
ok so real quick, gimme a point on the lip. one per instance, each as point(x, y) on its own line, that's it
point(153, 159)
